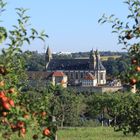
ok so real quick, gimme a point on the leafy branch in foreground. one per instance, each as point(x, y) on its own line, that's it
point(128, 35)
point(16, 117)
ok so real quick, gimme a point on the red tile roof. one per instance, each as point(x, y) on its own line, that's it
point(89, 76)
point(58, 74)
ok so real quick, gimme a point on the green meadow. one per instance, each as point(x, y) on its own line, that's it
point(93, 133)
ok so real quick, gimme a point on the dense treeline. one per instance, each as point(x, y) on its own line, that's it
point(70, 108)
point(118, 67)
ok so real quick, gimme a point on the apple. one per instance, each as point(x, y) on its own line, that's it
point(6, 105)
point(133, 81)
point(134, 61)
point(43, 114)
point(46, 132)
point(26, 116)
point(11, 102)
point(4, 114)
point(4, 98)
point(23, 130)
point(2, 94)
point(138, 68)
point(20, 124)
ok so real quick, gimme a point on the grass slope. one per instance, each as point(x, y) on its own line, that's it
point(97, 133)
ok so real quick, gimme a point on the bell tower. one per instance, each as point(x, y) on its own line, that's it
point(92, 60)
point(100, 69)
point(48, 57)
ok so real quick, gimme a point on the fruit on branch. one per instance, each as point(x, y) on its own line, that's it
point(26, 116)
point(138, 68)
point(133, 81)
point(4, 114)
point(4, 99)
point(11, 102)
point(23, 130)
point(43, 114)
point(134, 61)
point(20, 124)
point(6, 105)
point(46, 132)
point(2, 94)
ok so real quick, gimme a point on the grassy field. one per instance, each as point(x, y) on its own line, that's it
point(97, 133)
point(87, 133)
point(105, 58)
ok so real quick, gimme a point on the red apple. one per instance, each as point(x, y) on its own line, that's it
point(133, 81)
point(138, 68)
point(11, 102)
point(46, 132)
point(6, 105)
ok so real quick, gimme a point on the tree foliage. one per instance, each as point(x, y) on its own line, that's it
point(129, 32)
point(16, 114)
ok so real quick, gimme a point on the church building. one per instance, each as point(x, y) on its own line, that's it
point(78, 71)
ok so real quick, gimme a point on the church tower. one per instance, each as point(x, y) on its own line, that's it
point(48, 57)
point(100, 70)
point(92, 60)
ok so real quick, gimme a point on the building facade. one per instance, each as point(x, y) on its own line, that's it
point(77, 69)
point(58, 78)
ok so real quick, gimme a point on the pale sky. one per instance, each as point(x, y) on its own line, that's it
point(72, 25)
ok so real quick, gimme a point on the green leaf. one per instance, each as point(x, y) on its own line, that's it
point(41, 38)
point(27, 39)
point(34, 31)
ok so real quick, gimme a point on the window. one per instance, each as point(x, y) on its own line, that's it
point(101, 76)
point(71, 75)
point(76, 75)
point(81, 74)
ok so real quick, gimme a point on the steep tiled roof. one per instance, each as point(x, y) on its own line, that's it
point(58, 74)
point(89, 76)
point(72, 64)
point(99, 66)
point(68, 64)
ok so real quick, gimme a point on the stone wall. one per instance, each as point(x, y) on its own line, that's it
point(97, 89)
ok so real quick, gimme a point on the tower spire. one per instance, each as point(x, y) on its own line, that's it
point(92, 59)
point(48, 56)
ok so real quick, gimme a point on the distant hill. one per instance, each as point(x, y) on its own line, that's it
point(105, 55)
